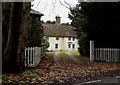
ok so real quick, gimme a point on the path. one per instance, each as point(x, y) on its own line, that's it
point(60, 63)
point(71, 56)
point(56, 57)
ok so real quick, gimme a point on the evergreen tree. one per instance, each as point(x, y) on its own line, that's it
point(35, 32)
point(50, 22)
point(96, 21)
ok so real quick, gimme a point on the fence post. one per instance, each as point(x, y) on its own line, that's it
point(91, 51)
point(25, 61)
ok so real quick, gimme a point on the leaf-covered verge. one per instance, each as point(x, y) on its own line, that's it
point(50, 71)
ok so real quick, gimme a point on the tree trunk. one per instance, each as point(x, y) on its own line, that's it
point(17, 35)
point(9, 38)
point(23, 33)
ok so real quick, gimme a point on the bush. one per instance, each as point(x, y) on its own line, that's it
point(33, 73)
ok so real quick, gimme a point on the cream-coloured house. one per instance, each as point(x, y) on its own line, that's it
point(60, 37)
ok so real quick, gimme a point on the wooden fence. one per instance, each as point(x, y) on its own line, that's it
point(104, 54)
point(32, 56)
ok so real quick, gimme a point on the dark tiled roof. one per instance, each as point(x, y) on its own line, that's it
point(58, 30)
point(32, 11)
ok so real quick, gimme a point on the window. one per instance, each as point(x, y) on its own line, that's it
point(73, 46)
point(57, 38)
point(48, 38)
point(73, 39)
point(69, 45)
point(56, 45)
point(69, 38)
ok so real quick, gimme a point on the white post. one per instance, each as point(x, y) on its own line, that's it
point(91, 50)
point(39, 54)
point(36, 56)
point(118, 55)
point(109, 54)
point(25, 63)
point(28, 60)
point(33, 56)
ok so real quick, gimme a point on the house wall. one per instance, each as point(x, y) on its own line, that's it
point(63, 43)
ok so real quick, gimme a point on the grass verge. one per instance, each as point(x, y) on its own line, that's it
point(33, 73)
point(78, 56)
point(63, 55)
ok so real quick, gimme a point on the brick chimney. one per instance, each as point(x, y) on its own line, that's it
point(58, 19)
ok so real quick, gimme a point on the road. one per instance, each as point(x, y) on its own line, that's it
point(103, 81)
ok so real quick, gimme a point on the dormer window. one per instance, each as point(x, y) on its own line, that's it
point(69, 38)
point(73, 38)
point(57, 38)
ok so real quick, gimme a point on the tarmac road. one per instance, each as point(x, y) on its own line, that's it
point(104, 81)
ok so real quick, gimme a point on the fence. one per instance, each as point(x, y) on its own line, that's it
point(32, 56)
point(104, 54)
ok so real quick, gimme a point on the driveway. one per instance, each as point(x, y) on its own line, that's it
point(69, 55)
point(56, 57)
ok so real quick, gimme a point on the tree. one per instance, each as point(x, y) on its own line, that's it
point(42, 21)
point(78, 21)
point(35, 32)
point(65, 24)
point(98, 22)
point(14, 31)
point(50, 22)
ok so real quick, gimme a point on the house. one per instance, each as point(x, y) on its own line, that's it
point(60, 37)
point(36, 14)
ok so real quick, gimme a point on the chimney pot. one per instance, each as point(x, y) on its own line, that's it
point(58, 19)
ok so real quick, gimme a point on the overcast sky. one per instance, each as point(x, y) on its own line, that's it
point(52, 8)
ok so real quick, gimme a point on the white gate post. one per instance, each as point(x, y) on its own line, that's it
point(91, 50)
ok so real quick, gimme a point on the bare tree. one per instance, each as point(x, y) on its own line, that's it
point(65, 3)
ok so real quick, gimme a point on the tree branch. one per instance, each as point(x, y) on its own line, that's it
point(63, 4)
point(38, 4)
